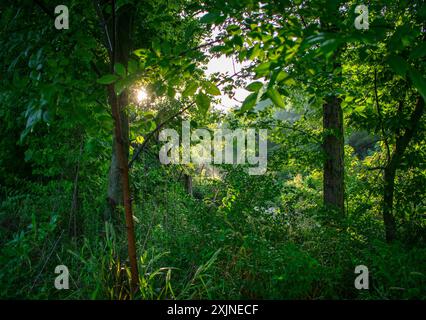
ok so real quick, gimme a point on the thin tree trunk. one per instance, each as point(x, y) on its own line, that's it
point(115, 190)
point(391, 167)
point(121, 43)
point(388, 189)
point(333, 183)
point(188, 183)
point(122, 160)
point(120, 29)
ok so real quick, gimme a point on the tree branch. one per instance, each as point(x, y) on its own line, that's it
point(403, 141)
point(105, 27)
point(380, 116)
point(151, 134)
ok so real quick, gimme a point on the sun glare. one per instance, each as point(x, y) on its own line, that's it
point(141, 95)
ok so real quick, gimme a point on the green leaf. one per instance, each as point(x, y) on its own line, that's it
point(203, 103)
point(24, 134)
point(418, 81)
point(133, 66)
point(238, 40)
point(120, 70)
point(123, 84)
point(190, 89)
point(156, 47)
point(149, 125)
point(34, 117)
point(140, 52)
point(233, 29)
point(262, 69)
point(209, 18)
point(254, 52)
point(212, 89)
point(276, 98)
point(419, 51)
point(254, 86)
point(328, 47)
point(28, 155)
point(360, 109)
point(220, 48)
point(159, 88)
point(171, 92)
point(282, 75)
point(147, 115)
point(119, 87)
point(47, 117)
point(108, 79)
point(249, 102)
point(398, 65)
point(285, 78)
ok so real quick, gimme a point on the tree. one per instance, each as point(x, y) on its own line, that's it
point(394, 99)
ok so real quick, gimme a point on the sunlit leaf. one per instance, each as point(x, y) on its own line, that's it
point(120, 70)
point(209, 18)
point(212, 89)
point(254, 86)
point(108, 79)
point(190, 89)
point(203, 103)
point(249, 102)
point(276, 98)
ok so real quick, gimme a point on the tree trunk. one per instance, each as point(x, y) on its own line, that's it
point(333, 143)
point(388, 218)
point(118, 188)
point(188, 183)
point(122, 161)
point(333, 183)
point(115, 190)
point(391, 167)
point(121, 49)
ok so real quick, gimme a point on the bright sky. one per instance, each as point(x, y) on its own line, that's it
point(225, 65)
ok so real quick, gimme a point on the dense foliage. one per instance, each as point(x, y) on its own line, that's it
point(204, 231)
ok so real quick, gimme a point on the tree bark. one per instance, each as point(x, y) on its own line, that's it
point(392, 166)
point(333, 143)
point(115, 190)
point(119, 188)
point(188, 183)
point(333, 183)
point(120, 36)
point(122, 161)
point(388, 189)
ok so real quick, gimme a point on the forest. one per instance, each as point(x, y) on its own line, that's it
point(212, 149)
